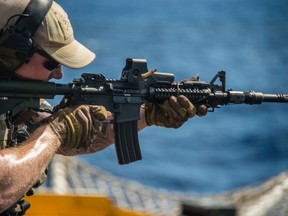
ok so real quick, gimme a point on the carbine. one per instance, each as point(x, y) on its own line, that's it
point(124, 97)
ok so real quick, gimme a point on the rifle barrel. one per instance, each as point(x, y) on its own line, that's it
point(258, 97)
point(278, 98)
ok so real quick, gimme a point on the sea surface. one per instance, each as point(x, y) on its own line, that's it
point(235, 146)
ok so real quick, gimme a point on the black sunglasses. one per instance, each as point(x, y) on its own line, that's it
point(51, 64)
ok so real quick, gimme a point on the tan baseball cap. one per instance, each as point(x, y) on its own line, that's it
point(55, 34)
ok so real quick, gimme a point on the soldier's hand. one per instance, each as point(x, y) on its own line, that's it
point(77, 127)
point(172, 113)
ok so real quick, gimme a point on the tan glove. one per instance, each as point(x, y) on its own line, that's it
point(77, 127)
point(172, 113)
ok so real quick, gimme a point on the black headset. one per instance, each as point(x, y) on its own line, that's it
point(16, 43)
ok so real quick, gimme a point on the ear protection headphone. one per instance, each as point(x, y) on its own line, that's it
point(16, 44)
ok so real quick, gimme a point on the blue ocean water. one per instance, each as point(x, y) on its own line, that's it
point(235, 146)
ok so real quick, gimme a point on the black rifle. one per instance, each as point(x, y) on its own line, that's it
point(124, 97)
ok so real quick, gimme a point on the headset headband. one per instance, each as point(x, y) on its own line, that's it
point(36, 11)
point(16, 42)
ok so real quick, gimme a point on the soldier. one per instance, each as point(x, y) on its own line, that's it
point(36, 38)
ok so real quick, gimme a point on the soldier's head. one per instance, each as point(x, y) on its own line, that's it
point(38, 32)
